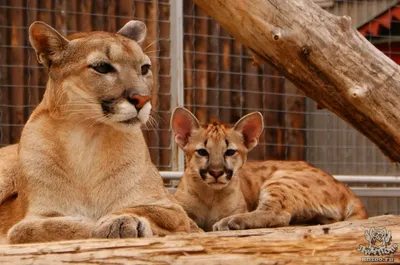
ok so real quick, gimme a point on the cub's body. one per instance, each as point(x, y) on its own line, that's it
point(220, 190)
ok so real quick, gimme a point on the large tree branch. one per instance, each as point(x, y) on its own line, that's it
point(325, 57)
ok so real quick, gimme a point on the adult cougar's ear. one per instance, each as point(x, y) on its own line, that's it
point(183, 124)
point(250, 126)
point(47, 42)
point(135, 30)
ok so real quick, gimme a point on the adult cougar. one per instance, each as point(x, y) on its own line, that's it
point(83, 168)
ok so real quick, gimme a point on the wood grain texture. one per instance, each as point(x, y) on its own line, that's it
point(325, 56)
point(290, 245)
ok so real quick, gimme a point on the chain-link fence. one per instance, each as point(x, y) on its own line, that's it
point(196, 63)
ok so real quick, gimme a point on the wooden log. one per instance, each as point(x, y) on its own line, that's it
point(325, 56)
point(328, 244)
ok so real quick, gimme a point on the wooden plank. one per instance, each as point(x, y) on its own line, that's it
point(164, 96)
point(110, 23)
point(273, 116)
point(329, 244)
point(44, 15)
point(17, 71)
point(59, 16)
point(99, 16)
point(71, 17)
point(225, 84)
point(151, 47)
point(213, 74)
point(201, 64)
point(295, 122)
point(85, 21)
point(34, 95)
point(5, 82)
point(237, 82)
point(253, 100)
point(124, 12)
point(188, 47)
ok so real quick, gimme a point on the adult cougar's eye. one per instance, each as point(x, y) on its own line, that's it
point(202, 152)
point(145, 69)
point(102, 68)
point(230, 152)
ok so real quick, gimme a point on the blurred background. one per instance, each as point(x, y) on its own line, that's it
point(200, 66)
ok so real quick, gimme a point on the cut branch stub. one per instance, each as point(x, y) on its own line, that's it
point(325, 57)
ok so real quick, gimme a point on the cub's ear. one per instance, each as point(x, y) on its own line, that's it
point(250, 126)
point(135, 30)
point(183, 123)
point(47, 42)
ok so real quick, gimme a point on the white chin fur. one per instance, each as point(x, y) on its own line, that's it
point(126, 111)
point(144, 113)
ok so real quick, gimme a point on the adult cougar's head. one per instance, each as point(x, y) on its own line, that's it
point(215, 152)
point(96, 77)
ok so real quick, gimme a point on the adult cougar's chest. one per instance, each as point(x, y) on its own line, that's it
point(105, 154)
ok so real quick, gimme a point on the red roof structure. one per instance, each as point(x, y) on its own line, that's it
point(384, 32)
point(382, 20)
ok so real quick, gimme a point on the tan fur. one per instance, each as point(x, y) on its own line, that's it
point(83, 167)
point(260, 193)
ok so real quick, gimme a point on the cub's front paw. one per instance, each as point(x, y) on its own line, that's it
point(230, 223)
point(122, 226)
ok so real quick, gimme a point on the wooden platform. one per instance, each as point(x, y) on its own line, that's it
point(329, 244)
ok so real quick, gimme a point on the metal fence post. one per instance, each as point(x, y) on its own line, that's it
point(176, 72)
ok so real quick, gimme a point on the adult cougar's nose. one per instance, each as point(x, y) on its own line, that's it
point(216, 174)
point(138, 100)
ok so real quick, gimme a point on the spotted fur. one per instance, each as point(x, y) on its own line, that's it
point(220, 190)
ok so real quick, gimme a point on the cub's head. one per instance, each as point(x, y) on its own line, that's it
point(96, 77)
point(215, 152)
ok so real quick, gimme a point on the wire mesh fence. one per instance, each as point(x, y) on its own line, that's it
point(220, 81)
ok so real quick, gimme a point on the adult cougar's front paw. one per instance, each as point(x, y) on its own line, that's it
point(122, 226)
point(235, 222)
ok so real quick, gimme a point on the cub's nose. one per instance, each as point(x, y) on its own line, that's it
point(138, 101)
point(216, 174)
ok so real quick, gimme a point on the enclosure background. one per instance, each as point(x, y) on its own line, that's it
point(220, 81)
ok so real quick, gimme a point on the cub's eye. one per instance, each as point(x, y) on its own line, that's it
point(102, 68)
point(145, 69)
point(202, 152)
point(230, 152)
